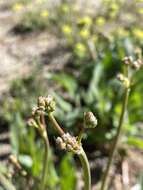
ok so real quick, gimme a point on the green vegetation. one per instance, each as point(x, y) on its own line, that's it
point(97, 43)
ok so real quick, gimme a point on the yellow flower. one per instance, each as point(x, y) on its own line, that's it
point(80, 49)
point(140, 10)
point(114, 7)
point(114, 10)
point(85, 21)
point(17, 6)
point(65, 8)
point(122, 32)
point(84, 33)
point(44, 14)
point(138, 33)
point(67, 29)
point(100, 21)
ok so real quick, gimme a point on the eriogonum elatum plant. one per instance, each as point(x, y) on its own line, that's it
point(130, 67)
point(65, 141)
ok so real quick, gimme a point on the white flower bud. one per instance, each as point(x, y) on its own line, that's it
point(90, 120)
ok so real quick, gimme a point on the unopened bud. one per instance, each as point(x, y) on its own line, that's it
point(125, 81)
point(137, 64)
point(50, 104)
point(60, 143)
point(66, 137)
point(41, 101)
point(128, 60)
point(120, 77)
point(32, 123)
point(138, 53)
point(90, 120)
point(69, 147)
point(37, 111)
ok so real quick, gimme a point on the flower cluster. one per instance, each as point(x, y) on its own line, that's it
point(123, 79)
point(44, 105)
point(131, 63)
point(69, 143)
point(135, 64)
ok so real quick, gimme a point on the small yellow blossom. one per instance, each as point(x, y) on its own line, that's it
point(84, 33)
point(85, 21)
point(44, 14)
point(67, 29)
point(138, 33)
point(80, 49)
point(114, 10)
point(65, 8)
point(17, 7)
point(100, 21)
point(114, 7)
point(140, 10)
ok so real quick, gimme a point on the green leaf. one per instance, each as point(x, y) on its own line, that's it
point(67, 81)
point(68, 173)
point(137, 142)
point(65, 106)
point(93, 90)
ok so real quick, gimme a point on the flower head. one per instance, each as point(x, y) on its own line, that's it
point(44, 14)
point(67, 29)
point(17, 7)
point(90, 120)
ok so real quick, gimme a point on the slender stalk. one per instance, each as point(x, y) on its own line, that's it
point(80, 135)
point(116, 139)
point(45, 159)
point(6, 184)
point(44, 170)
point(55, 124)
point(82, 156)
point(86, 170)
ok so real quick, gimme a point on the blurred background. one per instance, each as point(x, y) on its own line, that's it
point(72, 50)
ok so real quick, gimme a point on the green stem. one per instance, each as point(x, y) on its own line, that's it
point(55, 124)
point(86, 170)
point(80, 135)
point(116, 139)
point(44, 170)
point(82, 156)
point(6, 184)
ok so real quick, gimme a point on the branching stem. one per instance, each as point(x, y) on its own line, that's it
point(45, 167)
point(86, 170)
point(55, 124)
point(116, 139)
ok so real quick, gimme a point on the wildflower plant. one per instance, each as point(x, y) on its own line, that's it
point(65, 141)
point(126, 78)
